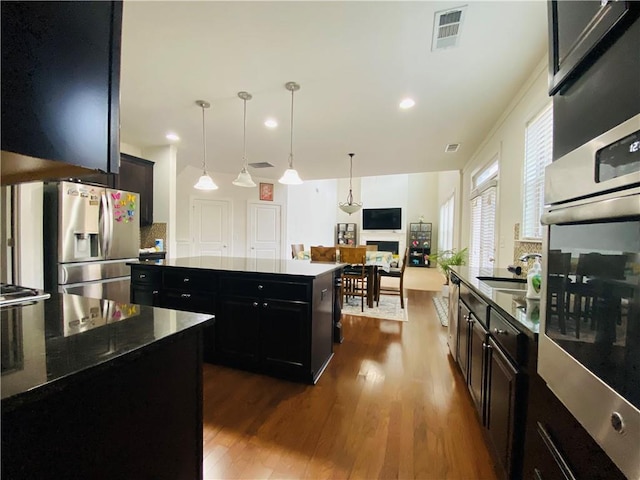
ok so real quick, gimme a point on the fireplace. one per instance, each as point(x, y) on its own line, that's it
point(385, 246)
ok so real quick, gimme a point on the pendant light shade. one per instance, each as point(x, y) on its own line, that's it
point(291, 176)
point(244, 177)
point(350, 206)
point(205, 182)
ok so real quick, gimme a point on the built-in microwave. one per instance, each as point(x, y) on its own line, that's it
point(589, 346)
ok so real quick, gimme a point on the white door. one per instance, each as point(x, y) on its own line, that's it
point(264, 231)
point(210, 227)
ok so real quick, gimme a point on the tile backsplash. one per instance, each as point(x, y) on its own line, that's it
point(149, 234)
point(520, 247)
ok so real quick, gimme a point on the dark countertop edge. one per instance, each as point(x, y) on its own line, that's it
point(508, 316)
point(59, 384)
point(157, 264)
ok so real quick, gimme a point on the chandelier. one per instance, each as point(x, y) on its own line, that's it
point(350, 206)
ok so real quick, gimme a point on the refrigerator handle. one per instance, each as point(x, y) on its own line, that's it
point(105, 227)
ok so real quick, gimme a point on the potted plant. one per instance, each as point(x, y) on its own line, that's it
point(445, 259)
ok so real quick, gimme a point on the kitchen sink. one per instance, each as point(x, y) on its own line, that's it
point(505, 284)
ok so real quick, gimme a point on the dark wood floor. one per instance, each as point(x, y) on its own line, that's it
point(390, 405)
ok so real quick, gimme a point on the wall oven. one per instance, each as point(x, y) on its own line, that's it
point(589, 350)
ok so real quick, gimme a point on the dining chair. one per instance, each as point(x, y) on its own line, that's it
point(370, 248)
point(296, 248)
point(354, 275)
point(323, 254)
point(590, 290)
point(559, 267)
point(392, 273)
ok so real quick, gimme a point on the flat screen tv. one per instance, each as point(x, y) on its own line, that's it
point(381, 218)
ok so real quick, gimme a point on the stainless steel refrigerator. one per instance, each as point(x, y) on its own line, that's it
point(90, 232)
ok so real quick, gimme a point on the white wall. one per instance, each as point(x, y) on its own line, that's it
point(30, 271)
point(507, 140)
point(238, 198)
point(130, 149)
point(312, 213)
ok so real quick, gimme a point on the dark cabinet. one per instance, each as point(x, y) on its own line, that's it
point(490, 355)
point(190, 290)
point(477, 364)
point(237, 331)
point(502, 385)
point(284, 332)
point(60, 84)
point(257, 331)
point(419, 243)
point(136, 175)
point(464, 316)
point(578, 32)
point(146, 284)
point(346, 234)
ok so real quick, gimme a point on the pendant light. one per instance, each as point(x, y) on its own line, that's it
point(291, 176)
point(205, 182)
point(350, 206)
point(244, 177)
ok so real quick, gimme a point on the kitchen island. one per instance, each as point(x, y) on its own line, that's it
point(99, 389)
point(272, 316)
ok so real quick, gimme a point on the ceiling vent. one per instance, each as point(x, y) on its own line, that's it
point(452, 147)
point(260, 165)
point(447, 26)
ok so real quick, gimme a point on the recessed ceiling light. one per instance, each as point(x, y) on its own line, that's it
point(407, 103)
point(271, 123)
point(172, 136)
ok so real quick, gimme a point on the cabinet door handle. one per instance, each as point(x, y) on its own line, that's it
point(265, 305)
point(255, 304)
point(260, 287)
point(186, 295)
point(498, 331)
point(155, 292)
point(142, 275)
point(186, 279)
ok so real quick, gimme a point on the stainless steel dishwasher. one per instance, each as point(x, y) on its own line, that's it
point(454, 294)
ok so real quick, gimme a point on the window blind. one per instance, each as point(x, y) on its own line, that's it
point(538, 151)
point(445, 233)
point(483, 227)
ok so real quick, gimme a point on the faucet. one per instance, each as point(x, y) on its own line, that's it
point(529, 256)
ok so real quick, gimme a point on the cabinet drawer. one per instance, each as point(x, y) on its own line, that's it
point(145, 276)
point(190, 280)
point(189, 301)
point(251, 287)
point(513, 342)
point(475, 303)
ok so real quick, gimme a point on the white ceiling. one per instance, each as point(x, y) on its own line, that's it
point(354, 62)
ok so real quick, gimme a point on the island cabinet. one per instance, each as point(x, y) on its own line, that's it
point(264, 324)
point(278, 323)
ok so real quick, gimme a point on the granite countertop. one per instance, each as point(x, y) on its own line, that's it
point(47, 343)
point(523, 313)
point(303, 268)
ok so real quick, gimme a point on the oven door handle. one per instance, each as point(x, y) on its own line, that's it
point(619, 207)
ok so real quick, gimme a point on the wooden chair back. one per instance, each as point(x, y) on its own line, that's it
point(323, 254)
point(353, 255)
point(296, 248)
point(370, 248)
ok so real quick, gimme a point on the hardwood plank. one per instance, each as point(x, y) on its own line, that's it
point(391, 404)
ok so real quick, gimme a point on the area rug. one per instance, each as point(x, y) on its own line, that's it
point(388, 308)
point(442, 309)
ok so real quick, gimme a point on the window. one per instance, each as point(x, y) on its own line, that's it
point(537, 155)
point(445, 231)
point(483, 217)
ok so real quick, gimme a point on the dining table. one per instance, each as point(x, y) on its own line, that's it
point(373, 260)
